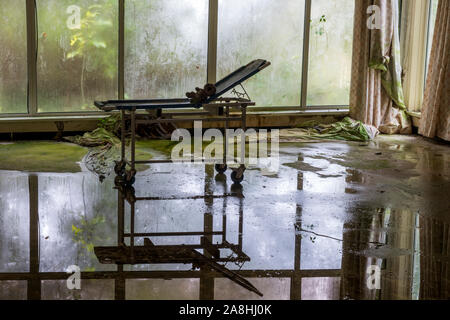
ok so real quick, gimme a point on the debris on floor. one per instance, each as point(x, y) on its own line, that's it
point(104, 150)
point(345, 130)
point(104, 144)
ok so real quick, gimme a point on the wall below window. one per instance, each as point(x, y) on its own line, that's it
point(89, 123)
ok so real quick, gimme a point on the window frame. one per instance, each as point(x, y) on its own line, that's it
point(213, 13)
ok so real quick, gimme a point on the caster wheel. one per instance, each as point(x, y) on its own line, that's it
point(119, 181)
point(235, 178)
point(130, 177)
point(119, 168)
point(131, 181)
point(221, 168)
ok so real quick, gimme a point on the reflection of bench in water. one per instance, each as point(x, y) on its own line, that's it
point(209, 98)
point(182, 254)
point(204, 255)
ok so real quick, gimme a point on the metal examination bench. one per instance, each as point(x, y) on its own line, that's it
point(208, 98)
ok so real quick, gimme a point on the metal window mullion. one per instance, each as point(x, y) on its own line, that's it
point(213, 14)
point(305, 64)
point(121, 56)
point(31, 56)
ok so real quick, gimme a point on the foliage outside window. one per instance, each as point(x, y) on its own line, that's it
point(77, 58)
point(330, 54)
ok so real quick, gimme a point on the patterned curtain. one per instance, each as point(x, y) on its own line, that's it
point(435, 121)
point(376, 96)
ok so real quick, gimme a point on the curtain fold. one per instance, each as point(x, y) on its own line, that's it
point(435, 120)
point(376, 95)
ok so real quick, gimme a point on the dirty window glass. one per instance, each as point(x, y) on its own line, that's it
point(321, 288)
point(263, 29)
point(13, 290)
point(14, 223)
point(165, 47)
point(159, 289)
point(90, 290)
point(330, 58)
point(13, 57)
point(76, 214)
point(77, 53)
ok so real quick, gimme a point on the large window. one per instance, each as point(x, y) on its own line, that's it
point(165, 47)
point(13, 57)
point(75, 53)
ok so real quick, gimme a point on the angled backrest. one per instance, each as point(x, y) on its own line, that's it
point(237, 77)
point(223, 86)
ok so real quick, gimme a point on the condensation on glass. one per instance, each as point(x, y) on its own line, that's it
point(321, 288)
point(273, 289)
point(165, 47)
point(76, 213)
point(90, 290)
point(159, 289)
point(13, 57)
point(13, 290)
point(330, 59)
point(77, 53)
point(264, 29)
point(14, 223)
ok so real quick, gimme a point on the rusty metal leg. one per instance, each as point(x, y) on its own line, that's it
point(241, 225)
point(122, 135)
point(238, 174)
point(119, 283)
point(133, 140)
point(132, 229)
point(120, 218)
point(244, 117)
point(225, 143)
point(131, 174)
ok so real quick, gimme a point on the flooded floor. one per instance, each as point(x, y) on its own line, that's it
point(338, 221)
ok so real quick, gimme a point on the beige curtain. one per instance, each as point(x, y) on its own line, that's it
point(435, 121)
point(376, 95)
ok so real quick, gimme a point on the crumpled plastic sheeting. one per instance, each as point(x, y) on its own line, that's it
point(104, 150)
point(345, 130)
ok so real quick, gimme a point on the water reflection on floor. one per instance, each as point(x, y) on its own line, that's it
point(334, 212)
